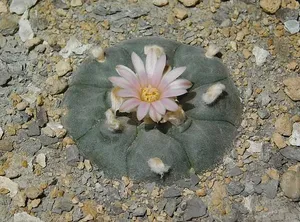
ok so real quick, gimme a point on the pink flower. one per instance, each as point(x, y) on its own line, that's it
point(148, 89)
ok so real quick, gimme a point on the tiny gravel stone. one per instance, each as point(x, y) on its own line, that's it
point(77, 214)
point(263, 113)
point(260, 55)
point(6, 145)
point(285, 14)
point(270, 6)
point(62, 204)
point(33, 192)
point(8, 25)
point(73, 45)
point(189, 3)
point(31, 146)
point(8, 184)
point(25, 30)
point(172, 192)
point(46, 140)
point(3, 7)
point(235, 188)
point(160, 2)
point(139, 212)
point(171, 207)
point(290, 184)
point(56, 85)
point(255, 147)
point(270, 189)
point(292, 88)
point(235, 171)
point(284, 125)
point(295, 137)
point(63, 67)
point(279, 140)
point(31, 43)
point(21, 106)
point(33, 129)
point(264, 98)
point(20, 199)
point(1, 133)
point(194, 180)
point(25, 217)
point(42, 117)
point(72, 155)
point(75, 3)
point(290, 152)
point(180, 13)
point(4, 78)
point(292, 26)
point(20, 6)
point(194, 208)
point(41, 160)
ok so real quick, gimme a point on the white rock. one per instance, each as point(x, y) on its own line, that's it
point(75, 3)
point(255, 147)
point(292, 26)
point(25, 217)
point(3, 7)
point(8, 184)
point(248, 203)
point(73, 45)
point(160, 2)
point(41, 160)
point(25, 30)
point(1, 133)
point(63, 67)
point(260, 55)
point(20, 6)
point(32, 93)
point(295, 137)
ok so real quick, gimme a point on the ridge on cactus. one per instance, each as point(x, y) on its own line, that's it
point(149, 90)
point(145, 123)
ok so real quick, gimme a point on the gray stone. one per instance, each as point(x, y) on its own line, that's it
point(4, 78)
point(8, 25)
point(20, 6)
point(25, 30)
point(235, 188)
point(270, 189)
point(31, 146)
point(6, 145)
point(161, 204)
point(42, 117)
point(295, 137)
point(264, 98)
point(263, 113)
point(72, 155)
point(292, 26)
point(292, 153)
point(2, 41)
point(77, 214)
point(60, 4)
point(139, 212)
point(234, 171)
point(46, 140)
point(25, 217)
point(172, 192)
point(194, 208)
point(194, 180)
point(62, 204)
point(33, 129)
point(285, 14)
point(171, 207)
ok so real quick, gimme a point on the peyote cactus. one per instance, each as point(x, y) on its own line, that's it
point(149, 133)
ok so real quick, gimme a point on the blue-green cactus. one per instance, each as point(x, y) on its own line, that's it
point(198, 143)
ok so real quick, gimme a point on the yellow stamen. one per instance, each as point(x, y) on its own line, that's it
point(149, 94)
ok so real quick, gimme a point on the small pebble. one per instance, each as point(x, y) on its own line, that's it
point(160, 2)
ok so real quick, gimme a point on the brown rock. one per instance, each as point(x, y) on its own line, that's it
point(33, 192)
point(270, 6)
point(189, 3)
point(279, 140)
point(247, 54)
point(292, 88)
point(160, 3)
point(284, 125)
point(290, 184)
point(180, 13)
point(292, 4)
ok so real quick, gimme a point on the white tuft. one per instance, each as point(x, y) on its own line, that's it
point(159, 51)
point(213, 93)
point(157, 166)
point(176, 118)
point(98, 53)
point(212, 51)
point(116, 101)
point(112, 122)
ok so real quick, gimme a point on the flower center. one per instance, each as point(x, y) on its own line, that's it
point(150, 94)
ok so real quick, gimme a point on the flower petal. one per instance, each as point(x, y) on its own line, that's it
point(129, 105)
point(159, 107)
point(119, 81)
point(128, 93)
point(151, 60)
point(170, 77)
point(139, 68)
point(180, 84)
point(169, 104)
point(129, 75)
point(154, 115)
point(142, 110)
point(158, 71)
point(173, 92)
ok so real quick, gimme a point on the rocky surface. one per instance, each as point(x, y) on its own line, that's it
point(43, 177)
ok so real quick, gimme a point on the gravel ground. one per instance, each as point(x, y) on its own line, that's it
point(44, 178)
